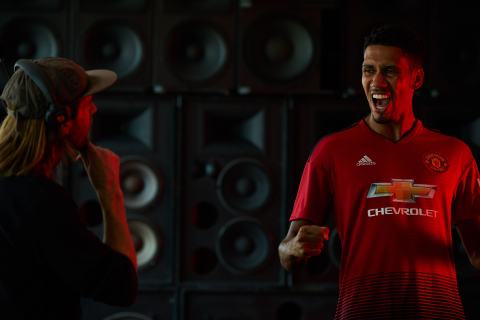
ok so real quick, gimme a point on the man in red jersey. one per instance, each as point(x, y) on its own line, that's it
point(395, 189)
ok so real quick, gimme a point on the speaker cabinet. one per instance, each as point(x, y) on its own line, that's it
point(360, 17)
point(142, 132)
point(149, 306)
point(194, 46)
point(312, 119)
point(233, 169)
point(280, 47)
point(33, 29)
point(116, 35)
point(257, 305)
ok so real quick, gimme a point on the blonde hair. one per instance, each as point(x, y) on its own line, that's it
point(22, 145)
point(26, 145)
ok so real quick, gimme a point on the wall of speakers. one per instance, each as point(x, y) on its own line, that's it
point(194, 46)
point(33, 29)
point(217, 108)
point(232, 189)
point(116, 35)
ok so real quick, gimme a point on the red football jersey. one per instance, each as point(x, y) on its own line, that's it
point(394, 204)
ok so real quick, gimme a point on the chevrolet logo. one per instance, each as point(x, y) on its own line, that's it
point(402, 190)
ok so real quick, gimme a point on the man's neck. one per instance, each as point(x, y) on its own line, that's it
point(393, 131)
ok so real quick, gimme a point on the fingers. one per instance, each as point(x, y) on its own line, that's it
point(310, 240)
point(310, 250)
point(312, 233)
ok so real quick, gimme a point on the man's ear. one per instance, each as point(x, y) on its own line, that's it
point(419, 78)
point(66, 125)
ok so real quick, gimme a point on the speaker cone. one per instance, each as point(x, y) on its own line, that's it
point(196, 52)
point(243, 186)
point(27, 39)
point(146, 241)
point(278, 49)
point(140, 183)
point(110, 45)
point(243, 245)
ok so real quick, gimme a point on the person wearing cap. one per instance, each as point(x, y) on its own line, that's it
point(48, 257)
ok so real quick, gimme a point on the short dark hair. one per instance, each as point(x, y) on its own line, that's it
point(397, 36)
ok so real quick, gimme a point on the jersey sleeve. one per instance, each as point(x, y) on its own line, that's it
point(79, 259)
point(314, 195)
point(467, 199)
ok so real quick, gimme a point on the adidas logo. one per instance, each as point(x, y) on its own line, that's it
point(366, 161)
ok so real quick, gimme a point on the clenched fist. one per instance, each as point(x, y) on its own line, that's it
point(303, 241)
point(309, 241)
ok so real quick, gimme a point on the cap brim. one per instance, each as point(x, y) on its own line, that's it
point(99, 80)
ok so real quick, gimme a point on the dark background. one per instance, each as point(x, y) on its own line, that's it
point(218, 105)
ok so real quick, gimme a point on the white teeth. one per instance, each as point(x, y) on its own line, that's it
point(380, 96)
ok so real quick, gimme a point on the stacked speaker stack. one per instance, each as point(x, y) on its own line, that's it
point(216, 109)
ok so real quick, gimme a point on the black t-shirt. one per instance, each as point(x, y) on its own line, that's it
point(49, 259)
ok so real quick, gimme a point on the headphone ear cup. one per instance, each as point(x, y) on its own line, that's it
point(54, 116)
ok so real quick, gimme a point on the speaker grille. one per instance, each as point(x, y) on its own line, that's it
point(113, 45)
point(29, 39)
point(196, 52)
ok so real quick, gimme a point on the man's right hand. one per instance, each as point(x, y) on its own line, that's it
point(103, 168)
point(309, 241)
point(304, 240)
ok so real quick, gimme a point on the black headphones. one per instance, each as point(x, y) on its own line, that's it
point(56, 113)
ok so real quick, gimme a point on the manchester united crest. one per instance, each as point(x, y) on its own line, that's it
point(436, 162)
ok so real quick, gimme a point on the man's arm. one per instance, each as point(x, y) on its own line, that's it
point(303, 241)
point(103, 168)
point(469, 231)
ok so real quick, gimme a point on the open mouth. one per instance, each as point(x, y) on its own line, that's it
point(380, 101)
